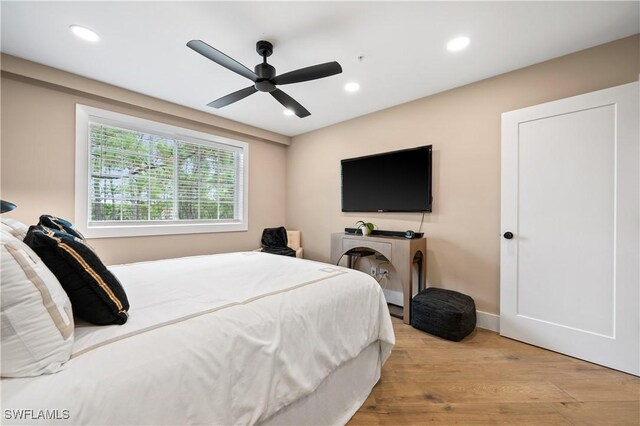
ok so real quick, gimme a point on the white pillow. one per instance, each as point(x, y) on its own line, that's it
point(15, 228)
point(36, 317)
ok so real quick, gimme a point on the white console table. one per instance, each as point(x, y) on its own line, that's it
point(402, 254)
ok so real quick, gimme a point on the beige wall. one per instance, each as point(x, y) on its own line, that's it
point(37, 166)
point(463, 125)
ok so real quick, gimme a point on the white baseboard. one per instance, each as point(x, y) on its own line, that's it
point(488, 321)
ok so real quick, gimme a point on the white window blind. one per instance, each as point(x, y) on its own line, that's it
point(138, 176)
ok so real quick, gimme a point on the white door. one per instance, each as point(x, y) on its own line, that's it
point(569, 278)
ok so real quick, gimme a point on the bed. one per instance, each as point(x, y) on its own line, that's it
point(237, 338)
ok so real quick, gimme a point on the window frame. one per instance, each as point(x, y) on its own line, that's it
point(85, 113)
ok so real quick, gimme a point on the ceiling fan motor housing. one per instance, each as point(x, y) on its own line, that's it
point(265, 73)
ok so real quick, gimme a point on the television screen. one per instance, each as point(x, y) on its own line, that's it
point(398, 181)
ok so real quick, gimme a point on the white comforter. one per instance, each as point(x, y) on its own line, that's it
point(222, 339)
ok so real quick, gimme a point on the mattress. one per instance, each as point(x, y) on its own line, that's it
point(221, 339)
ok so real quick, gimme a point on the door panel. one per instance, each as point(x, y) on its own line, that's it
point(569, 277)
point(565, 188)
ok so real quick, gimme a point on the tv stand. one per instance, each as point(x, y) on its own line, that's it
point(402, 254)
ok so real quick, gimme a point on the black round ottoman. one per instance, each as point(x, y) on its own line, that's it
point(443, 313)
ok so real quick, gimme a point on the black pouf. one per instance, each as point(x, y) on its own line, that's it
point(443, 313)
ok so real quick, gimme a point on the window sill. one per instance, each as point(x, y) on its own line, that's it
point(115, 231)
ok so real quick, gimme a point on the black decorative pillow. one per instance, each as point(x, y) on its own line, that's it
point(95, 293)
point(57, 223)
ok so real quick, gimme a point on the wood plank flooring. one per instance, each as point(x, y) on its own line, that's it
point(488, 379)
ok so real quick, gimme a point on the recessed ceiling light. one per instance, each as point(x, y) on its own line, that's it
point(457, 44)
point(352, 87)
point(84, 33)
point(288, 112)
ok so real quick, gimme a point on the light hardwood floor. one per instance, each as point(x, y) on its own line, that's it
point(488, 379)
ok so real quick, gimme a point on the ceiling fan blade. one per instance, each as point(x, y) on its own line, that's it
point(233, 97)
point(221, 59)
point(309, 73)
point(290, 103)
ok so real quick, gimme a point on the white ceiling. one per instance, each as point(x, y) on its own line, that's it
point(142, 47)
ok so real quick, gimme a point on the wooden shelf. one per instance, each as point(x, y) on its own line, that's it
point(395, 310)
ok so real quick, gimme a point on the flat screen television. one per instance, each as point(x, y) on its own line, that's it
point(398, 181)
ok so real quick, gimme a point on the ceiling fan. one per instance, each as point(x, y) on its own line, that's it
point(264, 76)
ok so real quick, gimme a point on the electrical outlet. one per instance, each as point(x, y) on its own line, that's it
point(374, 271)
point(384, 272)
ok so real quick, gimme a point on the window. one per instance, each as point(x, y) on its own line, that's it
point(140, 177)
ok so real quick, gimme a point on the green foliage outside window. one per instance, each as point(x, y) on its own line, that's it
point(136, 176)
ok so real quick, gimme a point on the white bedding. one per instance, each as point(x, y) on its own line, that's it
point(221, 339)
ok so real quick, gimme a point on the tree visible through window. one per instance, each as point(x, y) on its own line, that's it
point(138, 176)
